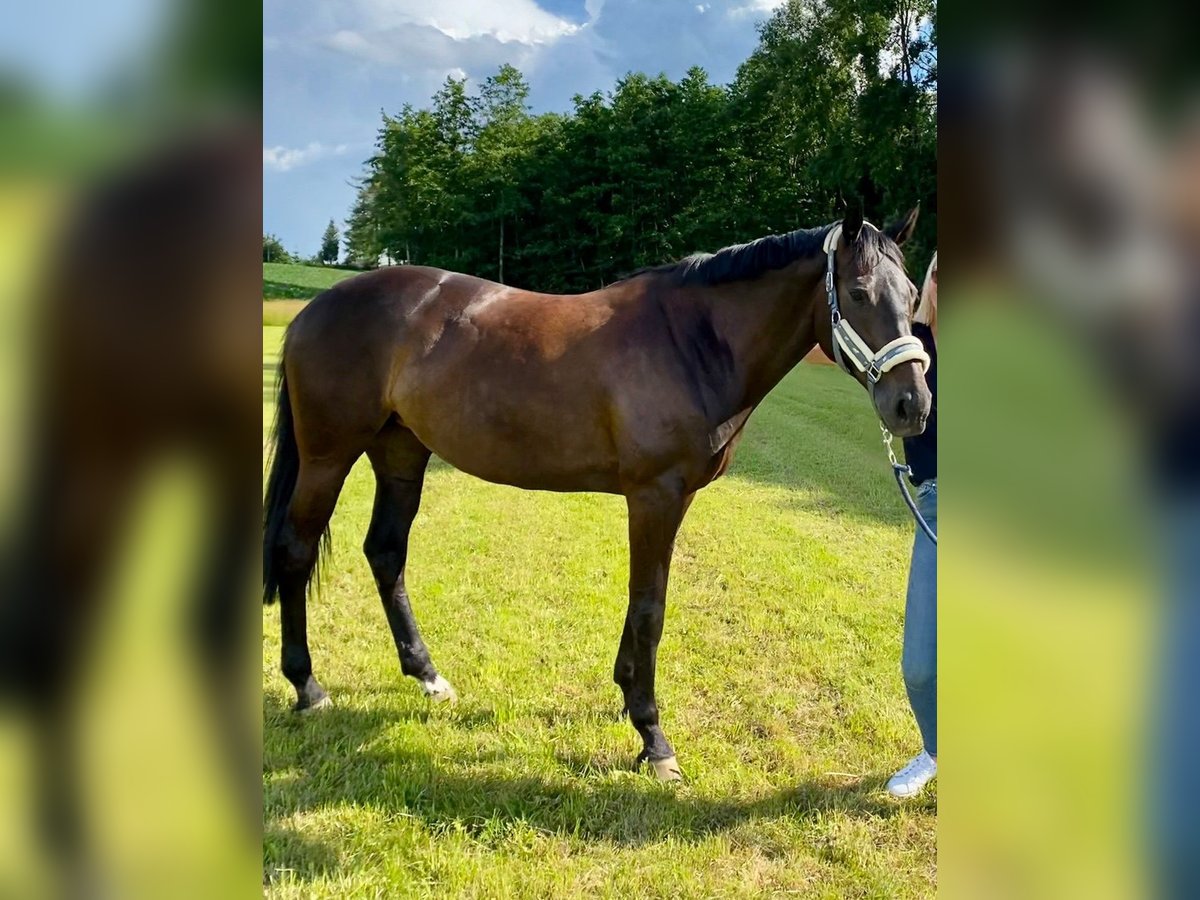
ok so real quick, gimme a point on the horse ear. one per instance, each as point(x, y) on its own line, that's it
point(852, 223)
point(903, 229)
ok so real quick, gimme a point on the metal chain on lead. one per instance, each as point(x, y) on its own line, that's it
point(887, 443)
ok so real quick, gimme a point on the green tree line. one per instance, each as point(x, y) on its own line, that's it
point(836, 105)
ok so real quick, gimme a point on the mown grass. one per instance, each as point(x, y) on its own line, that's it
point(280, 312)
point(778, 681)
point(284, 281)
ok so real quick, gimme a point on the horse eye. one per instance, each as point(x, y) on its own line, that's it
point(858, 295)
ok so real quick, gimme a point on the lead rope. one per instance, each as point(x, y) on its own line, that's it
point(902, 471)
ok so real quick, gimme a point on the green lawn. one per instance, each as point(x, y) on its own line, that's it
point(281, 312)
point(779, 685)
point(295, 282)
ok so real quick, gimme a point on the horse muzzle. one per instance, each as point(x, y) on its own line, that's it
point(903, 402)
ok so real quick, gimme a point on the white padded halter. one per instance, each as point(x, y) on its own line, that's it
point(846, 341)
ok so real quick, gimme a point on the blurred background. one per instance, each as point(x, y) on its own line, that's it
point(1068, 175)
point(130, 466)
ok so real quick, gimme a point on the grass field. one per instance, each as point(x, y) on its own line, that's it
point(279, 312)
point(287, 288)
point(779, 685)
point(282, 281)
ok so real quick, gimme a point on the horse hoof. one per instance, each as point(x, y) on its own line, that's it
point(323, 703)
point(666, 769)
point(439, 690)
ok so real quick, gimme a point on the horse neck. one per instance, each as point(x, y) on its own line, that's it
point(768, 325)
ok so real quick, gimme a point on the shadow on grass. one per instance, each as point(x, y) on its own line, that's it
point(283, 290)
point(594, 799)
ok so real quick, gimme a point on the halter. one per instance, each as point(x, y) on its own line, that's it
point(873, 363)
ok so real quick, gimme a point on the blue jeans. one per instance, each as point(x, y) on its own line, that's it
point(1174, 795)
point(919, 661)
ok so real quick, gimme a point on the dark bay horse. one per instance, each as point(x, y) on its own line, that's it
point(641, 389)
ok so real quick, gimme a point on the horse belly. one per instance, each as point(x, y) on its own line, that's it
point(539, 439)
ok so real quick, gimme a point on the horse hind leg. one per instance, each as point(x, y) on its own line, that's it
point(296, 550)
point(399, 461)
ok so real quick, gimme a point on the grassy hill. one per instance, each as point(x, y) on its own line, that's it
point(282, 281)
point(287, 287)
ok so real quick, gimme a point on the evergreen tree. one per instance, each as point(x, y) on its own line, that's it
point(330, 241)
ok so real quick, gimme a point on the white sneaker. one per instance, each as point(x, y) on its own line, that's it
point(911, 780)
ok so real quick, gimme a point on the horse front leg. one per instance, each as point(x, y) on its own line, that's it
point(655, 513)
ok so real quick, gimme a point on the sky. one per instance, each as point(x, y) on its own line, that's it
point(331, 66)
point(91, 41)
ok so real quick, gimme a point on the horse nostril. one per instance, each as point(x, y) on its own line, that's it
point(904, 406)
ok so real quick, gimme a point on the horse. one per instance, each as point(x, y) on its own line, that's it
point(125, 383)
point(642, 388)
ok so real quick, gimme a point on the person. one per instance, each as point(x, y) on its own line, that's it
point(919, 658)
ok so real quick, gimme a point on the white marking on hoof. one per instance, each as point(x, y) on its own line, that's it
point(324, 703)
point(666, 769)
point(439, 690)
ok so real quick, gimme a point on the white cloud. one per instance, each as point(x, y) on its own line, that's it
point(354, 44)
point(416, 36)
point(506, 20)
point(756, 8)
point(284, 159)
point(423, 48)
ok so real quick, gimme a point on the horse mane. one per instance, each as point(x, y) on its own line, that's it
point(753, 259)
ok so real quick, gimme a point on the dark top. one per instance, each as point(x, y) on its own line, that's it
point(920, 452)
point(1175, 430)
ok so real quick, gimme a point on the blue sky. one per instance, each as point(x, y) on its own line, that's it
point(330, 67)
point(66, 48)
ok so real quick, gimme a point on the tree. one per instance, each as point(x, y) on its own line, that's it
point(363, 248)
point(837, 103)
point(330, 241)
point(273, 251)
point(502, 133)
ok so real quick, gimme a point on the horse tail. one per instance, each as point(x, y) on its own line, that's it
point(281, 483)
point(285, 469)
